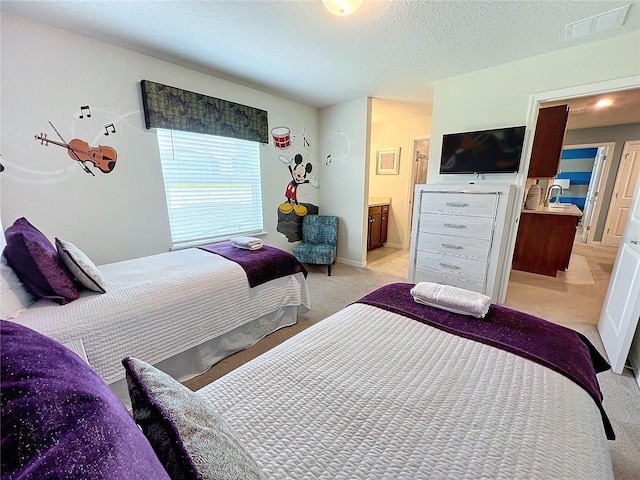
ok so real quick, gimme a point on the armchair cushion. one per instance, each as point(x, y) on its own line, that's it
point(316, 254)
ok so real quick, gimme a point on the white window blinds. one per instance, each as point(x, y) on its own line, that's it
point(212, 186)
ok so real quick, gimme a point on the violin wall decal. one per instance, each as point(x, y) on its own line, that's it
point(102, 157)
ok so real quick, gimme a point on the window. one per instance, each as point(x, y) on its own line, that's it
point(212, 186)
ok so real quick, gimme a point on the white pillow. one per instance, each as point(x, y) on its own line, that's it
point(80, 266)
point(14, 297)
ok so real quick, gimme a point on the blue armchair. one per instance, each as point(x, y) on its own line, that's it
point(319, 240)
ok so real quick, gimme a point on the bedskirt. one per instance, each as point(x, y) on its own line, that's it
point(197, 360)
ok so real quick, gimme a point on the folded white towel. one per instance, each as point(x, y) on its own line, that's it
point(247, 243)
point(452, 299)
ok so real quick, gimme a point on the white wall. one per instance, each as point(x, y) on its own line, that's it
point(499, 96)
point(46, 75)
point(396, 124)
point(344, 130)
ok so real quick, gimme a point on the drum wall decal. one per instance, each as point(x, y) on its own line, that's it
point(281, 137)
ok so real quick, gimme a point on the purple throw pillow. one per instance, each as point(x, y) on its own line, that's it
point(60, 420)
point(37, 264)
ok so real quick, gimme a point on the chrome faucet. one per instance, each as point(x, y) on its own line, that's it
point(549, 194)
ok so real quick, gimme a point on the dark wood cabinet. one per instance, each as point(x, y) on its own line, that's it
point(384, 224)
point(544, 243)
point(548, 141)
point(378, 223)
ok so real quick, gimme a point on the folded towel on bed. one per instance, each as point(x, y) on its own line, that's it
point(452, 299)
point(247, 243)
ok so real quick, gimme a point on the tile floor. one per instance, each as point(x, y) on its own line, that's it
point(393, 261)
point(573, 296)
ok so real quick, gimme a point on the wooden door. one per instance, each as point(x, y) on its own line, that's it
point(384, 225)
point(375, 225)
point(547, 141)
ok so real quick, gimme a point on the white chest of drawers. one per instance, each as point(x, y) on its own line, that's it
point(459, 236)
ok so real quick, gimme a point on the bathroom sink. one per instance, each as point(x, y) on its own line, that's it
point(558, 206)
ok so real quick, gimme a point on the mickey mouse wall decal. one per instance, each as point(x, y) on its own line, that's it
point(298, 172)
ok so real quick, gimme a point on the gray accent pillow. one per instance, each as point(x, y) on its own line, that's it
point(190, 439)
point(80, 266)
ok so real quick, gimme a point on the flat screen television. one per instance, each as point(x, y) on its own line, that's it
point(484, 151)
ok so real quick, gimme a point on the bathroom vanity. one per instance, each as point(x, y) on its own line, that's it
point(378, 222)
point(545, 239)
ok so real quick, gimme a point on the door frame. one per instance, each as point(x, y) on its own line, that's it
point(410, 185)
point(606, 86)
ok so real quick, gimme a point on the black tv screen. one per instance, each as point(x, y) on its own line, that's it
point(484, 151)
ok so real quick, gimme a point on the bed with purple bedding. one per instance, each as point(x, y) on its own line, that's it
point(182, 311)
point(388, 388)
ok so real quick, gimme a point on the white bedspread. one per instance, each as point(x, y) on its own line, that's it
point(371, 394)
point(161, 305)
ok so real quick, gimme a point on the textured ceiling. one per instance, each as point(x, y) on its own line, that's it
point(296, 49)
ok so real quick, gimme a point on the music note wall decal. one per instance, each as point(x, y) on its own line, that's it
point(109, 126)
point(83, 108)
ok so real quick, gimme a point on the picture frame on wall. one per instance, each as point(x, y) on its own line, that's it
point(388, 161)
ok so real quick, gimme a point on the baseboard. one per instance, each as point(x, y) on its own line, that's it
point(633, 360)
point(394, 245)
point(351, 262)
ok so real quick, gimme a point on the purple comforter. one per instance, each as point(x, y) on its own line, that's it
point(559, 348)
point(261, 266)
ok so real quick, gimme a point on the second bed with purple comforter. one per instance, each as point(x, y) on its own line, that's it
point(387, 388)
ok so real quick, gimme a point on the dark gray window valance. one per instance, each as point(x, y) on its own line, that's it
point(176, 109)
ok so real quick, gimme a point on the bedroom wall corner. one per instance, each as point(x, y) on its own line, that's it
point(344, 132)
point(48, 75)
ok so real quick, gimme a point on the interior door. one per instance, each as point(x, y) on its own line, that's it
point(622, 193)
point(592, 191)
point(621, 309)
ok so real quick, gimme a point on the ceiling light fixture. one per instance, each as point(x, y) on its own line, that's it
point(604, 103)
point(342, 7)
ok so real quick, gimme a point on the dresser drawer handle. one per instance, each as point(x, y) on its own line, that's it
point(448, 265)
point(456, 204)
point(454, 225)
point(451, 245)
